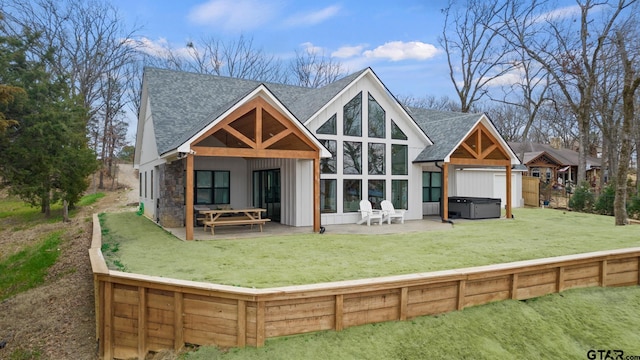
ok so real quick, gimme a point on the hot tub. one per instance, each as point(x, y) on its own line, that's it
point(465, 207)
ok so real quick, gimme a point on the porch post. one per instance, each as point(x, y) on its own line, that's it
point(445, 192)
point(316, 193)
point(508, 191)
point(189, 198)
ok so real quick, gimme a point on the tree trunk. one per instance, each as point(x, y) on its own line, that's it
point(65, 211)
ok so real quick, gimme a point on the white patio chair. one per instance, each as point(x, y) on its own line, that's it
point(390, 213)
point(367, 213)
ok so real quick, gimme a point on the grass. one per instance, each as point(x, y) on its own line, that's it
point(143, 247)
point(19, 215)
point(557, 326)
point(28, 268)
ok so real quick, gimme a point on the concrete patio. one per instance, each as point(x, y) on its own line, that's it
point(272, 228)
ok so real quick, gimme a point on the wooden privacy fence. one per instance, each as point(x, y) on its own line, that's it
point(531, 191)
point(136, 314)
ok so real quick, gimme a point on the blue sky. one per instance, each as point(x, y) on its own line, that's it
point(398, 39)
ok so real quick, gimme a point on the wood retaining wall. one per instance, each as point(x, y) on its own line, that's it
point(136, 314)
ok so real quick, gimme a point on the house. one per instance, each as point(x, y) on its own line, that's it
point(552, 163)
point(307, 156)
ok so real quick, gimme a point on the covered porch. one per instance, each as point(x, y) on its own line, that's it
point(265, 136)
point(480, 149)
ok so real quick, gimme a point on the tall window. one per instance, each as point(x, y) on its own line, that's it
point(431, 186)
point(376, 193)
point(399, 193)
point(145, 184)
point(140, 181)
point(352, 195)
point(376, 159)
point(399, 159)
point(352, 157)
point(151, 184)
point(212, 187)
point(329, 165)
point(376, 119)
point(329, 127)
point(328, 195)
point(352, 116)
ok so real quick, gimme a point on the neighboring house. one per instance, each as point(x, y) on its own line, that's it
point(552, 164)
point(307, 155)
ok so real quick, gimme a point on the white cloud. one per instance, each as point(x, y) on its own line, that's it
point(348, 51)
point(309, 48)
point(233, 15)
point(159, 48)
point(313, 18)
point(398, 50)
point(566, 12)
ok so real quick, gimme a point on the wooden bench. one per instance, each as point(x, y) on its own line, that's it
point(234, 220)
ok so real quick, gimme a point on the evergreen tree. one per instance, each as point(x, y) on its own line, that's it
point(45, 157)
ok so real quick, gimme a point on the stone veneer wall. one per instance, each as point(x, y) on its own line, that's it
point(171, 211)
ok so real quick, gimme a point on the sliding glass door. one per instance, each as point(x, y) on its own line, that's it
point(266, 192)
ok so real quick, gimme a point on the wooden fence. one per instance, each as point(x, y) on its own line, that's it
point(531, 191)
point(136, 314)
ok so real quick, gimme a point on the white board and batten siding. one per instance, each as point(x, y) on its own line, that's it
point(296, 188)
point(489, 183)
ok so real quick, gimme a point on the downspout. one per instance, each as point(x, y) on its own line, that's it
point(442, 217)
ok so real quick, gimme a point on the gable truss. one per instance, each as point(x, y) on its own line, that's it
point(480, 148)
point(257, 130)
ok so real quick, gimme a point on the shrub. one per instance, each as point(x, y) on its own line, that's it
point(633, 207)
point(582, 199)
point(604, 204)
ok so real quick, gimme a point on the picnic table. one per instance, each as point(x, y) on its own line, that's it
point(222, 217)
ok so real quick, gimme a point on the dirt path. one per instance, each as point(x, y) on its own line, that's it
point(57, 319)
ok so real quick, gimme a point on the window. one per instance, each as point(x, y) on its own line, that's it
point(140, 187)
point(151, 184)
point(399, 159)
point(376, 159)
point(212, 187)
point(376, 193)
point(431, 186)
point(145, 184)
point(352, 117)
point(329, 165)
point(396, 133)
point(352, 157)
point(399, 193)
point(328, 196)
point(329, 127)
point(352, 195)
point(376, 119)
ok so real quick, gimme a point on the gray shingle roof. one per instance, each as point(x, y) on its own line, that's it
point(184, 103)
point(564, 156)
point(446, 129)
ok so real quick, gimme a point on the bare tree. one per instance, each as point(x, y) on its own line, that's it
point(630, 85)
point(476, 53)
point(529, 93)
point(235, 58)
point(509, 120)
point(91, 49)
point(569, 49)
point(443, 103)
point(313, 69)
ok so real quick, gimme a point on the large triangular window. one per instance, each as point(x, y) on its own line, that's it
point(329, 127)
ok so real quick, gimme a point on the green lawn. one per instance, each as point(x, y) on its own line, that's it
point(135, 244)
point(557, 326)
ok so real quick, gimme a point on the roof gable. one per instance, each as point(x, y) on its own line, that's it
point(186, 103)
point(449, 130)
